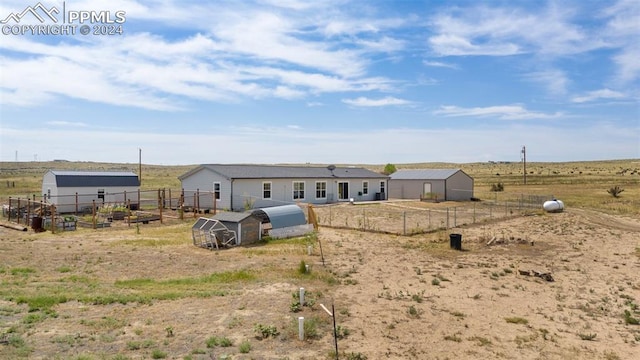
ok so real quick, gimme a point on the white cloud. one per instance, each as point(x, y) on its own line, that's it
point(440, 64)
point(235, 51)
point(494, 31)
point(623, 30)
point(66, 123)
point(598, 94)
point(367, 102)
point(555, 80)
point(628, 63)
point(504, 112)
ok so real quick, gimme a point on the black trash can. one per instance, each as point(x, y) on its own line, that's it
point(36, 224)
point(455, 241)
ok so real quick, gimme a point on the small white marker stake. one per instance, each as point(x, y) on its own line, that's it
point(301, 296)
point(301, 328)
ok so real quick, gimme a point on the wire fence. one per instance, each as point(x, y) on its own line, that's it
point(404, 218)
point(394, 217)
point(67, 212)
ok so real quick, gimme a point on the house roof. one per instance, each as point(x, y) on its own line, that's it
point(231, 216)
point(94, 178)
point(421, 174)
point(246, 171)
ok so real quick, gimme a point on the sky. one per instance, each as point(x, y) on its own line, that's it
point(345, 82)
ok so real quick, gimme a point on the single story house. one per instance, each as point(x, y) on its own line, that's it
point(65, 189)
point(437, 184)
point(243, 187)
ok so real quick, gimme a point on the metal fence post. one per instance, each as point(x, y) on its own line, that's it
point(53, 219)
point(404, 223)
point(447, 218)
point(93, 212)
point(474, 213)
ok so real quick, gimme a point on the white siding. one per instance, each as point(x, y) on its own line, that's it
point(202, 182)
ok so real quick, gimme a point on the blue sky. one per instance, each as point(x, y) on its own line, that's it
point(361, 82)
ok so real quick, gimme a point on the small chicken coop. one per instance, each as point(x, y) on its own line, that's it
point(212, 234)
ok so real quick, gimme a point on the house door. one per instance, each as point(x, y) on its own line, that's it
point(343, 191)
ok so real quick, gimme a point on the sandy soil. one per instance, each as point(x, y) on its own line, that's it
point(399, 297)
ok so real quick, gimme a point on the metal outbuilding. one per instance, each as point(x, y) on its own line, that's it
point(281, 216)
point(248, 228)
point(437, 184)
point(66, 188)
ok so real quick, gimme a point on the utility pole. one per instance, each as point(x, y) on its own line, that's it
point(140, 166)
point(524, 164)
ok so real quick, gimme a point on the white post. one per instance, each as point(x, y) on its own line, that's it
point(301, 328)
point(302, 295)
point(309, 249)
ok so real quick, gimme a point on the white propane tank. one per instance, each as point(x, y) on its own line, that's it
point(553, 206)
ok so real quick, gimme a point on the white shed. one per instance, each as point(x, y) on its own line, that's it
point(65, 189)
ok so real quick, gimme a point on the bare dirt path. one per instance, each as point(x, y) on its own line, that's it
point(610, 221)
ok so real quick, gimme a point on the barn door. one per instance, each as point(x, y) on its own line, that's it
point(426, 192)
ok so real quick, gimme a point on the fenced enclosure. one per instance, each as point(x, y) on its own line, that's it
point(412, 217)
point(83, 210)
point(393, 217)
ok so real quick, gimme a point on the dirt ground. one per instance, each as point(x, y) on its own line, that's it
point(395, 297)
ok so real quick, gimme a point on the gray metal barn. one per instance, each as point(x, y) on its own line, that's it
point(437, 184)
point(66, 188)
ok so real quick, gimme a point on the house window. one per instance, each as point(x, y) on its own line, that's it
point(365, 187)
point(216, 190)
point(101, 194)
point(298, 190)
point(382, 187)
point(321, 190)
point(266, 190)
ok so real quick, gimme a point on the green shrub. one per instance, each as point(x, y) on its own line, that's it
point(265, 331)
point(158, 354)
point(218, 341)
point(630, 320)
point(244, 347)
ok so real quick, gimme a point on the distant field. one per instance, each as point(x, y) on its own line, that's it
point(580, 184)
